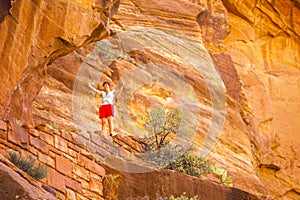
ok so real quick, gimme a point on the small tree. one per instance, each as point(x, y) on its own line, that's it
point(162, 123)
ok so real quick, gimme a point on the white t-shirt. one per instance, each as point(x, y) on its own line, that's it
point(107, 97)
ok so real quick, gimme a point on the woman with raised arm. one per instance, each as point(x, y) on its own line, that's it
point(106, 110)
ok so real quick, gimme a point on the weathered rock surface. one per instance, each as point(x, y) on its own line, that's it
point(253, 44)
point(156, 185)
point(264, 51)
point(33, 34)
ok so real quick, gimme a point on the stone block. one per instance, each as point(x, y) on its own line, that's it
point(52, 154)
point(61, 143)
point(70, 158)
point(95, 167)
point(60, 195)
point(81, 172)
point(54, 151)
point(3, 126)
point(7, 144)
point(34, 132)
point(2, 149)
point(56, 180)
point(87, 154)
point(70, 194)
point(95, 138)
point(96, 186)
point(102, 152)
point(33, 150)
point(45, 128)
point(45, 159)
point(3, 134)
point(81, 160)
point(47, 138)
point(91, 147)
point(72, 153)
point(85, 184)
point(66, 135)
point(63, 165)
point(74, 147)
point(39, 144)
point(95, 176)
point(81, 197)
point(91, 195)
point(73, 184)
point(49, 189)
point(78, 140)
point(19, 136)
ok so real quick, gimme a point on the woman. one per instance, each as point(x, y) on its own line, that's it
point(106, 110)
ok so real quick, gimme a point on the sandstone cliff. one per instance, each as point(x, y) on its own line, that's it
point(233, 66)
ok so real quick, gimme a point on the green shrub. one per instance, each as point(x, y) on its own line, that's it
point(191, 165)
point(27, 165)
point(163, 156)
point(18, 122)
point(222, 173)
point(183, 197)
point(54, 125)
point(39, 172)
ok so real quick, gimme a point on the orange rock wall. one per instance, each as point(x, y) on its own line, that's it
point(33, 34)
point(264, 45)
point(254, 45)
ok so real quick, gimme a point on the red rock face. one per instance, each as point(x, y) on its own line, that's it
point(33, 40)
point(161, 183)
point(253, 45)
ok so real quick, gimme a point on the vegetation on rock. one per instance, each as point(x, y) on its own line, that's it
point(164, 123)
point(191, 165)
point(222, 173)
point(28, 165)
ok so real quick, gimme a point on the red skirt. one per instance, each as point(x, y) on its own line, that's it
point(106, 110)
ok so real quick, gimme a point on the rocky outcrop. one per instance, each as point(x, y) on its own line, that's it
point(74, 161)
point(156, 185)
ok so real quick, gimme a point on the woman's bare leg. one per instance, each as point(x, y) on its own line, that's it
point(111, 124)
point(103, 120)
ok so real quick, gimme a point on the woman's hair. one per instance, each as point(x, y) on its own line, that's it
point(106, 83)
